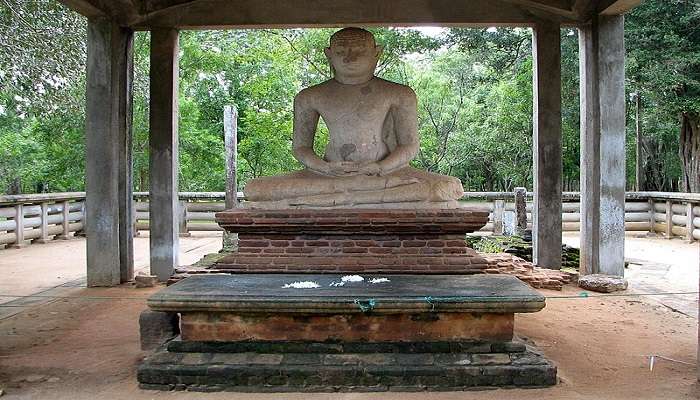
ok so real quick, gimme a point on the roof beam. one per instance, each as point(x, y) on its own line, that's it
point(124, 12)
point(149, 6)
point(557, 7)
point(584, 9)
point(203, 14)
point(85, 8)
point(617, 7)
point(587, 9)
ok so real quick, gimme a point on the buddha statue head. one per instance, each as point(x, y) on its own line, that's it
point(353, 55)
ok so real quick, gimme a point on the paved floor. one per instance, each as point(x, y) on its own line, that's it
point(50, 269)
point(658, 265)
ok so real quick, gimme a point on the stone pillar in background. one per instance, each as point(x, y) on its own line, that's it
point(499, 208)
point(547, 143)
point(230, 240)
point(602, 66)
point(107, 125)
point(163, 141)
point(520, 211)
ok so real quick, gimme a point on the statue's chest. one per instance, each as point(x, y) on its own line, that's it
point(355, 107)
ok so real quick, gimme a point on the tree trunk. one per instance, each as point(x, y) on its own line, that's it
point(690, 151)
point(15, 186)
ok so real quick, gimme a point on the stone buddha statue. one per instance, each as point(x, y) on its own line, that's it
point(373, 135)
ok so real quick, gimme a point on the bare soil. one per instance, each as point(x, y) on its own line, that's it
point(87, 348)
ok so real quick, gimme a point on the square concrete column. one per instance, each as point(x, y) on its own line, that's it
point(602, 66)
point(108, 121)
point(163, 142)
point(547, 142)
point(126, 170)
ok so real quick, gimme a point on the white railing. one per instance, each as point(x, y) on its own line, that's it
point(41, 216)
point(672, 214)
point(56, 215)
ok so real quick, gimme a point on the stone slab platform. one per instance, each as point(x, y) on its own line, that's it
point(376, 308)
point(334, 367)
point(263, 293)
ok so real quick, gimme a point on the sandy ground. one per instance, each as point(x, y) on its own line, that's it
point(87, 347)
point(41, 267)
point(658, 265)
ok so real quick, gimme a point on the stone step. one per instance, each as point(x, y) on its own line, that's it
point(473, 347)
point(333, 372)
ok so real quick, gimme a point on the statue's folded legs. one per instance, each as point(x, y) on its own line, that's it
point(308, 189)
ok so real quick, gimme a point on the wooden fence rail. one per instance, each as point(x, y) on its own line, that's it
point(55, 215)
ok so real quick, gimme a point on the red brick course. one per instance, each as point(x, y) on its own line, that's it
point(382, 241)
point(539, 278)
point(356, 221)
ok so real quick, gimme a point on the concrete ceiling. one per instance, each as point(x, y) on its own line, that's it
point(201, 14)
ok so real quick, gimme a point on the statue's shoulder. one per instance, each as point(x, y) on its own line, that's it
point(313, 92)
point(397, 89)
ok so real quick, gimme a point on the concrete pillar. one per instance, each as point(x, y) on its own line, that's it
point(547, 143)
point(602, 63)
point(107, 118)
point(163, 142)
point(126, 170)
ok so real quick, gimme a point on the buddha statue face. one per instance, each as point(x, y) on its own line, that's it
point(353, 54)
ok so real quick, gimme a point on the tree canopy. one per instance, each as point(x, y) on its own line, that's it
point(474, 88)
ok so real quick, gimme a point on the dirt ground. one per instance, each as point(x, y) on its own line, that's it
point(87, 348)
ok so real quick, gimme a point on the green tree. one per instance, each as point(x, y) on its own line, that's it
point(663, 68)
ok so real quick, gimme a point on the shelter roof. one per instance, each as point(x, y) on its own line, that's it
point(204, 14)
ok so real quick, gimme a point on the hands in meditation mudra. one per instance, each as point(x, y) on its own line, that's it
point(373, 135)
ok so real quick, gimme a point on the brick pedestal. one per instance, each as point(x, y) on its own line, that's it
point(353, 241)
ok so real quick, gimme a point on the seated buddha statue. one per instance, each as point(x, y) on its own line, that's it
point(373, 135)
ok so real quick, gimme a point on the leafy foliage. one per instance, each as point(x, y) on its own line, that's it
point(474, 88)
point(663, 69)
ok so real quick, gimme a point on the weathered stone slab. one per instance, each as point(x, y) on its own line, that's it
point(227, 327)
point(350, 308)
point(602, 283)
point(391, 294)
point(156, 328)
point(390, 369)
point(433, 347)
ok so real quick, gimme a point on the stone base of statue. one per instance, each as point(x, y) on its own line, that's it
point(325, 332)
point(345, 300)
point(353, 241)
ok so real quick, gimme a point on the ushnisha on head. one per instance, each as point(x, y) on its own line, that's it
point(353, 54)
